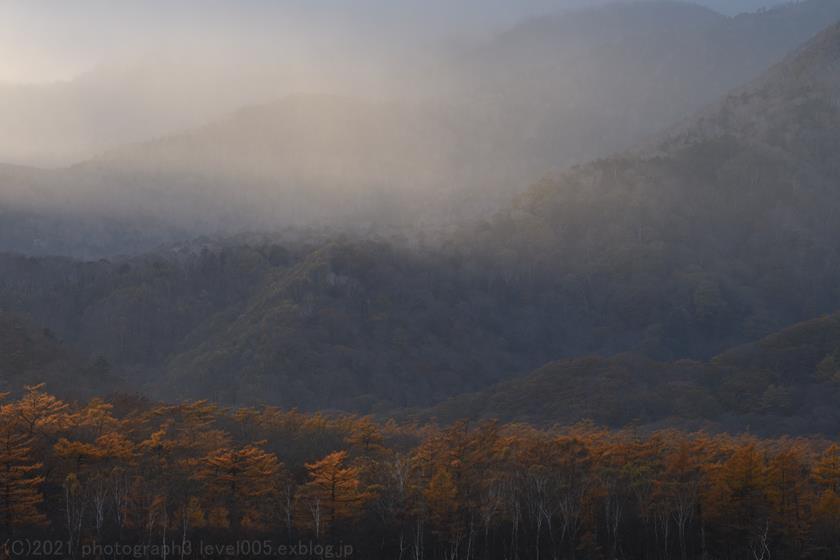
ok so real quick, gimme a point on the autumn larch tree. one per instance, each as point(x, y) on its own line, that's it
point(20, 481)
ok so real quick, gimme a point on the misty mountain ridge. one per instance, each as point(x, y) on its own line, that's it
point(558, 90)
point(58, 124)
point(613, 76)
point(723, 206)
point(713, 242)
point(796, 96)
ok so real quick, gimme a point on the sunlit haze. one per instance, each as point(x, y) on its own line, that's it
point(44, 41)
point(420, 279)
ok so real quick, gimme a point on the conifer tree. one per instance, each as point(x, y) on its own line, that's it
point(20, 481)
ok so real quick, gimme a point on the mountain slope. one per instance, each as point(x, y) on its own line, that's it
point(787, 383)
point(792, 107)
point(727, 230)
point(583, 85)
point(304, 160)
point(808, 350)
point(356, 326)
point(721, 235)
point(339, 324)
point(29, 356)
point(489, 121)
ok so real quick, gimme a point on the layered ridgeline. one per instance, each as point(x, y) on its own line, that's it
point(30, 356)
point(339, 325)
point(719, 235)
point(727, 225)
point(725, 229)
point(449, 142)
point(787, 383)
point(581, 85)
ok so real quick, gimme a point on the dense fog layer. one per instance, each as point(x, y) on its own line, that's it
point(220, 117)
point(79, 78)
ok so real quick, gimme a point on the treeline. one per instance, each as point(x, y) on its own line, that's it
point(130, 471)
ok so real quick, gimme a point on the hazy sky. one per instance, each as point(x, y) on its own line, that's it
point(44, 40)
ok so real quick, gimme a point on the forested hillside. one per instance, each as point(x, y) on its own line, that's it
point(727, 228)
point(722, 229)
point(366, 327)
point(721, 234)
point(343, 324)
point(29, 356)
point(787, 383)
